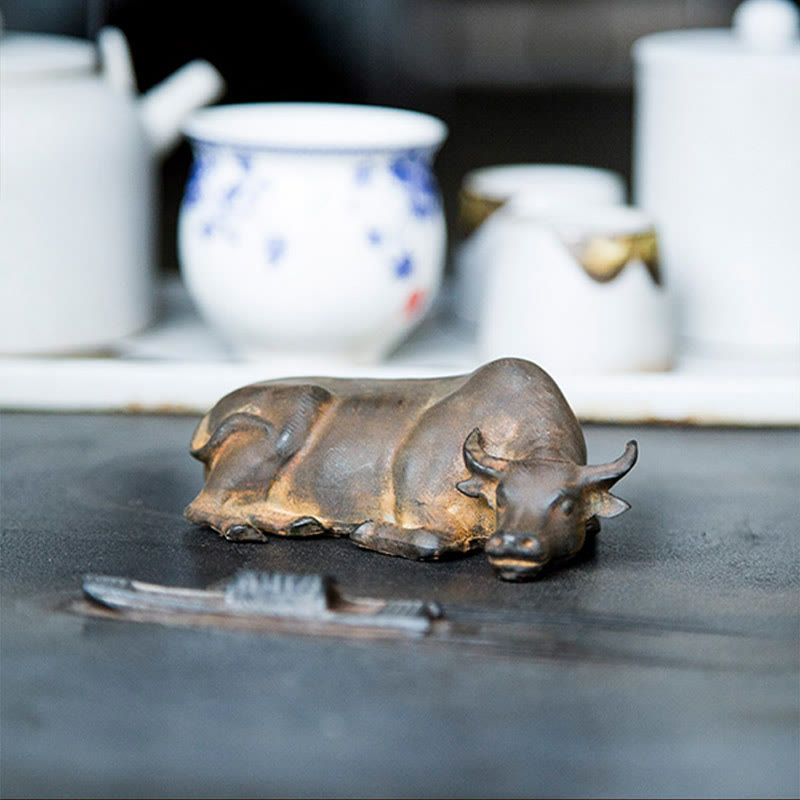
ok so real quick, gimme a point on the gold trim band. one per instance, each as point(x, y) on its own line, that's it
point(604, 257)
point(474, 210)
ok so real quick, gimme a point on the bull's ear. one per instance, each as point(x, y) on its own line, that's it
point(485, 469)
point(597, 480)
point(600, 503)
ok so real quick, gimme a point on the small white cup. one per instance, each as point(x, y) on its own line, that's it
point(576, 289)
point(487, 189)
point(312, 231)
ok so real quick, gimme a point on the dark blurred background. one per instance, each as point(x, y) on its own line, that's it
point(515, 80)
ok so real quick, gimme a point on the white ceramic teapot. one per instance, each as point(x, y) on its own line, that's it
point(77, 201)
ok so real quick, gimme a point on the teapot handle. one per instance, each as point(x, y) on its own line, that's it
point(115, 60)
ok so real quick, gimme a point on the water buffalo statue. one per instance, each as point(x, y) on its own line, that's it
point(414, 468)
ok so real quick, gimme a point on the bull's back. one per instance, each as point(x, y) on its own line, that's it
point(343, 471)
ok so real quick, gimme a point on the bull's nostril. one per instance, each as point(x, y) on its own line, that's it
point(494, 542)
point(528, 544)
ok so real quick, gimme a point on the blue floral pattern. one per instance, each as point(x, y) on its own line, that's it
point(234, 201)
point(404, 266)
point(202, 164)
point(274, 249)
point(363, 172)
point(221, 209)
point(414, 172)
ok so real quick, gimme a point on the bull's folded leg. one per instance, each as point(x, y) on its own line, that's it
point(239, 522)
point(228, 521)
point(416, 543)
point(242, 458)
point(279, 523)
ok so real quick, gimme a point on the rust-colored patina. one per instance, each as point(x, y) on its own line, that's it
point(413, 468)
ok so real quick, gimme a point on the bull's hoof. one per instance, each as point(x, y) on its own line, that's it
point(244, 533)
point(305, 526)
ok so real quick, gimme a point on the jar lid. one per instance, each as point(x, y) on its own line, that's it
point(765, 33)
point(28, 55)
point(588, 184)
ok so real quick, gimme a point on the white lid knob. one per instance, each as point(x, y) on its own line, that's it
point(767, 24)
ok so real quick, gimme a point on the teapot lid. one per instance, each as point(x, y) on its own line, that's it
point(29, 55)
point(765, 33)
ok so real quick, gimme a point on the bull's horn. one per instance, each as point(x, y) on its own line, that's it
point(606, 475)
point(478, 461)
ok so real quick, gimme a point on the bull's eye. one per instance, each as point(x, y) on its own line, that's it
point(567, 506)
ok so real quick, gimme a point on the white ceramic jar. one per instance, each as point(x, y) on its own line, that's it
point(77, 199)
point(486, 189)
point(576, 289)
point(312, 231)
point(717, 164)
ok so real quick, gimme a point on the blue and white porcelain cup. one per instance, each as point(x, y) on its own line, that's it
point(312, 231)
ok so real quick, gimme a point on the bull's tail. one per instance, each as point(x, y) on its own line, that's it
point(205, 446)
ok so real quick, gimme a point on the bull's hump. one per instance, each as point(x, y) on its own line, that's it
point(528, 412)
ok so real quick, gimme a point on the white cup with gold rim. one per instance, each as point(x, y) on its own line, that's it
point(487, 189)
point(575, 288)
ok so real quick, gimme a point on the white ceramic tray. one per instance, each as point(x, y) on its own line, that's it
point(180, 366)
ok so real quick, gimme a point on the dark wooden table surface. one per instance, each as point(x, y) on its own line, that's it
point(663, 664)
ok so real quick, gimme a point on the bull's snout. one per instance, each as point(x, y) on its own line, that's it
point(519, 544)
point(516, 556)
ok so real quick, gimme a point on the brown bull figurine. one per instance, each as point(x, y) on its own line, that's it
point(412, 468)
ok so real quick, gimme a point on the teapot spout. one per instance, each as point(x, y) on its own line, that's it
point(163, 109)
